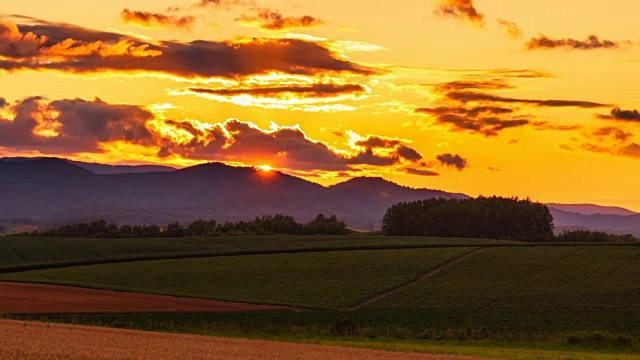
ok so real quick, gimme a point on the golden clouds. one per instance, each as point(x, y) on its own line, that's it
point(67, 48)
point(271, 20)
point(68, 127)
point(155, 20)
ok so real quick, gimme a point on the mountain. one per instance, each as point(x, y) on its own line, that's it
point(105, 169)
point(56, 191)
point(616, 224)
point(591, 209)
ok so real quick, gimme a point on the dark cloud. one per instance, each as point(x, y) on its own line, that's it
point(156, 20)
point(488, 126)
point(272, 20)
point(461, 9)
point(614, 132)
point(471, 112)
point(338, 133)
point(80, 126)
point(73, 126)
point(313, 90)
point(472, 85)
point(50, 46)
point(622, 115)
point(511, 28)
point(475, 119)
point(591, 43)
point(408, 153)
point(453, 160)
point(473, 96)
point(3, 102)
point(421, 172)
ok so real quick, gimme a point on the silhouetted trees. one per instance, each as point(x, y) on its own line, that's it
point(593, 236)
point(489, 218)
point(265, 225)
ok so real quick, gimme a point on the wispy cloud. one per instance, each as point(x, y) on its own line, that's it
point(590, 43)
point(156, 20)
point(512, 29)
point(271, 20)
point(461, 9)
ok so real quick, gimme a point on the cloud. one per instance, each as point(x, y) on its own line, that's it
point(154, 20)
point(453, 160)
point(469, 107)
point(610, 131)
point(512, 29)
point(3, 102)
point(461, 9)
point(68, 48)
point(76, 126)
point(221, 4)
point(313, 90)
point(72, 126)
point(271, 20)
point(303, 96)
point(421, 172)
point(480, 97)
point(592, 42)
point(622, 115)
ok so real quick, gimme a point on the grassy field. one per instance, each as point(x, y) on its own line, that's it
point(507, 300)
point(530, 279)
point(314, 280)
point(25, 253)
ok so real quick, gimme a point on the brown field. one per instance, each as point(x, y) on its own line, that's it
point(22, 298)
point(32, 340)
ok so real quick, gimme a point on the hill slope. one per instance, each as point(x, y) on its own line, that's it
point(50, 189)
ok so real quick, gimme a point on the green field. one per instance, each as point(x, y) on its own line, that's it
point(531, 278)
point(504, 300)
point(27, 253)
point(314, 280)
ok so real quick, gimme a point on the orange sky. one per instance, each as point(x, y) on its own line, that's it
point(482, 97)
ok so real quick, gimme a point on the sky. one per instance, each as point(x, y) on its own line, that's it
point(482, 97)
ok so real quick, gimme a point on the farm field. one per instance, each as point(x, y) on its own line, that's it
point(25, 253)
point(530, 279)
point(21, 340)
point(315, 280)
point(22, 298)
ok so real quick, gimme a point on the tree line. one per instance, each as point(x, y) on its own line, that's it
point(264, 225)
point(485, 217)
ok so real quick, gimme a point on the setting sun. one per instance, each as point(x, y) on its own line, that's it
point(264, 168)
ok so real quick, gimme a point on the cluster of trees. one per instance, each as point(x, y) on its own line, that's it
point(265, 225)
point(484, 217)
point(593, 236)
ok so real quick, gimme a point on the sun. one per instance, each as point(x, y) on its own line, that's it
point(264, 168)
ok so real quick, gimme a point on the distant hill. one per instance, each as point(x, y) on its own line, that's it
point(591, 209)
point(55, 191)
point(104, 169)
point(615, 224)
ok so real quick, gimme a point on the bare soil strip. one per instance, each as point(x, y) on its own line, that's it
point(32, 340)
point(23, 298)
point(420, 279)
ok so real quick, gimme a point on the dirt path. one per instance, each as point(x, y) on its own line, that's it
point(23, 298)
point(33, 340)
point(420, 279)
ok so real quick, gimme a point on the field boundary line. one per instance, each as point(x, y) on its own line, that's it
point(420, 279)
point(197, 255)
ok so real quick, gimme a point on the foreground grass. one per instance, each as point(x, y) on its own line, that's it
point(31, 253)
point(314, 280)
point(543, 347)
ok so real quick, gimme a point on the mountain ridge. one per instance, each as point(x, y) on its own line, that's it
point(54, 190)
